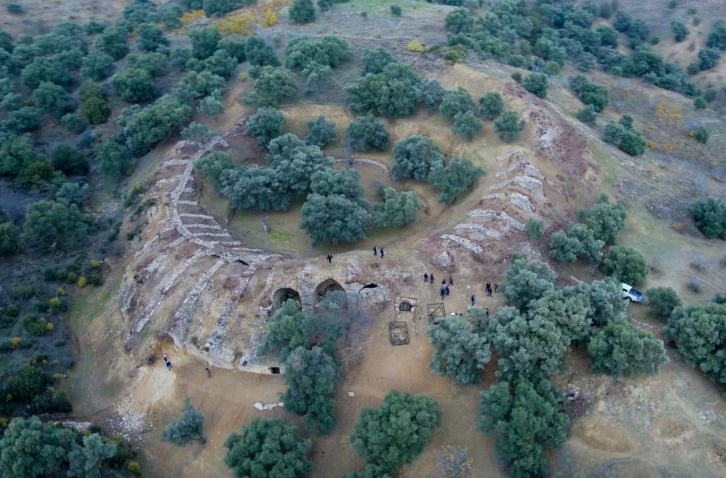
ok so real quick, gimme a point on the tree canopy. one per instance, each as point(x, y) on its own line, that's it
point(273, 84)
point(268, 449)
point(454, 179)
point(310, 376)
point(333, 219)
point(508, 126)
point(320, 132)
point(456, 102)
point(54, 224)
point(265, 125)
point(414, 157)
point(709, 215)
point(621, 350)
point(527, 281)
point(366, 132)
point(626, 265)
point(461, 353)
point(662, 300)
point(397, 432)
point(699, 332)
point(398, 209)
point(30, 448)
point(187, 428)
point(491, 105)
point(524, 422)
point(392, 93)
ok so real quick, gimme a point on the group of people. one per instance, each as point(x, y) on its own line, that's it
point(376, 250)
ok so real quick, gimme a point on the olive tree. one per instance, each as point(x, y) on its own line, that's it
point(699, 332)
point(394, 92)
point(333, 219)
point(397, 432)
point(310, 376)
point(455, 103)
point(366, 132)
point(269, 448)
point(273, 84)
point(97, 65)
point(525, 418)
point(536, 83)
point(491, 105)
point(134, 85)
point(626, 265)
point(86, 461)
point(414, 157)
point(53, 99)
point(189, 427)
point(662, 300)
point(302, 11)
point(461, 353)
point(51, 224)
point(527, 281)
point(396, 210)
point(343, 182)
point(621, 350)
point(32, 448)
point(508, 126)
point(467, 125)
point(454, 179)
point(320, 132)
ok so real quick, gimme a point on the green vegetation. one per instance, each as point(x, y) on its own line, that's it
point(454, 179)
point(397, 432)
point(414, 157)
point(302, 11)
point(461, 352)
point(680, 31)
point(525, 418)
point(392, 93)
point(621, 350)
point(709, 215)
point(625, 264)
point(397, 209)
point(662, 300)
point(527, 281)
point(187, 428)
point(272, 85)
point(268, 447)
point(310, 376)
point(320, 132)
point(333, 219)
point(508, 126)
point(536, 83)
point(698, 331)
point(365, 133)
point(624, 136)
point(491, 105)
point(535, 228)
point(265, 125)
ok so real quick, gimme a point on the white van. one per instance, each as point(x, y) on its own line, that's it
point(631, 294)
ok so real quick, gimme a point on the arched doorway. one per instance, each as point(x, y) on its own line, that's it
point(284, 294)
point(405, 306)
point(324, 288)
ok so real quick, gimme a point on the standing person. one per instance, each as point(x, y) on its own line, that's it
point(431, 276)
point(426, 277)
point(375, 250)
point(442, 291)
point(446, 288)
point(168, 365)
point(486, 311)
point(473, 300)
point(451, 281)
point(330, 257)
point(496, 287)
point(382, 252)
point(209, 372)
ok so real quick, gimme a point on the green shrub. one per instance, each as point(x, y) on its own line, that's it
point(454, 179)
point(710, 217)
point(702, 135)
point(189, 427)
point(302, 11)
point(265, 125)
point(491, 105)
point(95, 110)
point(397, 209)
point(535, 228)
point(414, 157)
point(395, 10)
point(9, 239)
point(536, 83)
point(366, 132)
point(621, 350)
point(508, 126)
point(587, 115)
point(662, 300)
point(625, 264)
point(320, 132)
point(37, 326)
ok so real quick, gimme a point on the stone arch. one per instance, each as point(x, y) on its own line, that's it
point(328, 285)
point(283, 294)
point(405, 306)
